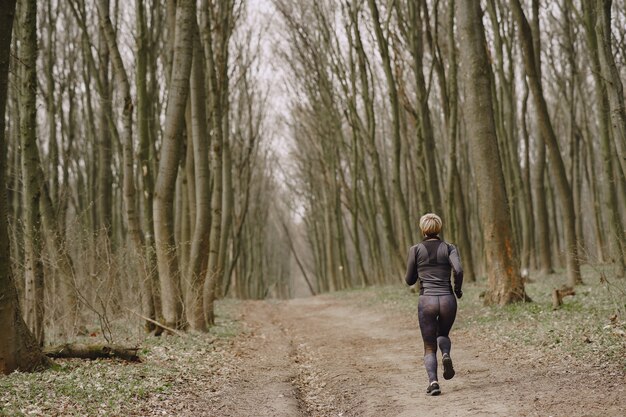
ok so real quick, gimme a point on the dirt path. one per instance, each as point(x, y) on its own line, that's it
point(328, 357)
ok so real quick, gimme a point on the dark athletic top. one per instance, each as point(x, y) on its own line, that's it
point(431, 262)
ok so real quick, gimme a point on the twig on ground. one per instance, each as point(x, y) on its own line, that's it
point(169, 329)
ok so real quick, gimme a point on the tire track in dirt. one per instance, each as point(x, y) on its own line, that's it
point(368, 364)
point(325, 356)
point(263, 384)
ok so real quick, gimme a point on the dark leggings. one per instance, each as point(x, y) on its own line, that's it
point(436, 315)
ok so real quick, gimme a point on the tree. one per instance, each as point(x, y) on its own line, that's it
point(539, 181)
point(548, 135)
point(611, 76)
point(198, 257)
point(126, 104)
point(18, 348)
point(104, 180)
point(383, 47)
point(146, 133)
point(33, 270)
point(505, 284)
point(457, 202)
point(167, 258)
point(216, 33)
point(592, 30)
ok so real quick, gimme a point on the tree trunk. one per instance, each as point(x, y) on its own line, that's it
point(33, 266)
point(528, 254)
point(505, 284)
point(198, 256)
point(372, 151)
point(126, 104)
point(81, 351)
point(146, 254)
point(228, 204)
point(167, 259)
point(428, 158)
point(547, 132)
point(104, 182)
point(604, 69)
point(64, 265)
point(18, 347)
point(542, 223)
point(611, 75)
point(53, 154)
point(383, 48)
point(455, 188)
point(216, 64)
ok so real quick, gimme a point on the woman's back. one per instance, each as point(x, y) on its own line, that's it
point(433, 264)
point(432, 261)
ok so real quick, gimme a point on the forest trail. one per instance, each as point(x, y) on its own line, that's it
point(326, 356)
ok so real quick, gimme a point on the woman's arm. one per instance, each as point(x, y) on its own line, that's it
point(455, 261)
point(411, 267)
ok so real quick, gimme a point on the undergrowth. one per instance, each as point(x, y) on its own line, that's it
point(77, 387)
point(590, 326)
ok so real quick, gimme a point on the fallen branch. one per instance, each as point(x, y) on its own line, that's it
point(169, 329)
point(80, 351)
point(559, 294)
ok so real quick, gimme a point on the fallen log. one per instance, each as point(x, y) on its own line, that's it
point(80, 351)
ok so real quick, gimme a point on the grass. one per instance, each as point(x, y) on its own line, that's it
point(110, 387)
point(590, 326)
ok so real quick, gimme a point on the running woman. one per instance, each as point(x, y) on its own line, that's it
point(431, 262)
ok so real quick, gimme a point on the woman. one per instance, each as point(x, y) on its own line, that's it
point(431, 262)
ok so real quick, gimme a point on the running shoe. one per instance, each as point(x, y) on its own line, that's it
point(433, 389)
point(448, 370)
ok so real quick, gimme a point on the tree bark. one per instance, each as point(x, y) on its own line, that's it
point(81, 351)
point(104, 181)
point(198, 257)
point(610, 100)
point(425, 126)
point(372, 151)
point(547, 132)
point(126, 104)
point(18, 348)
point(528, 258)
point(33, 266)
point(542, 224)
point(383, 48)
point(53, 154)
point(505, 284)
point(215, 42)
point(611, 75)
point(458, 209)
point(146, 254)
point(167, 258)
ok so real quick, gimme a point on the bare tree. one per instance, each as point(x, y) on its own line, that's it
point(547, 133)
point(167, 258)
point(595, 26)
point(18, 348)
point(503, 276)
point(130, 204)
point(198, 258)
point(34, 274)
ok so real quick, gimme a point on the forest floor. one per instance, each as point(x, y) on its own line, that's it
point(359, 353)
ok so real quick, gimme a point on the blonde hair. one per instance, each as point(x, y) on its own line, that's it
point(430, 224)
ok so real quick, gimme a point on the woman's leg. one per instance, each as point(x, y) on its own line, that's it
point(427, 312)
point(447, 314)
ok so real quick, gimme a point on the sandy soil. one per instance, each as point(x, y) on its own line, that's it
point(325, 356)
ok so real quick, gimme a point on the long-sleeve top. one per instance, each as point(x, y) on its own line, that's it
point(431, 262)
